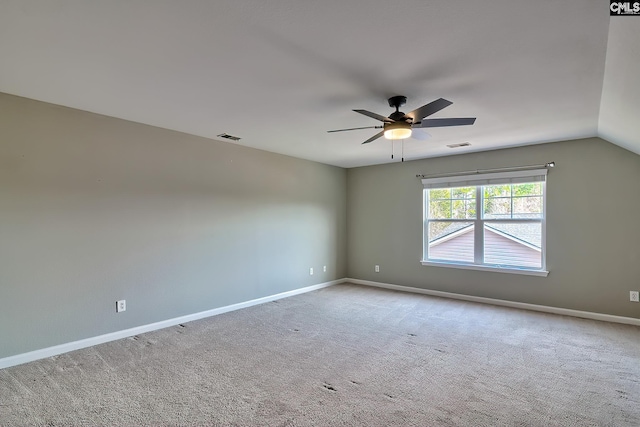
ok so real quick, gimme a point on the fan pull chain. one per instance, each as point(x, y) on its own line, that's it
point(403, 150)
point(392, 149)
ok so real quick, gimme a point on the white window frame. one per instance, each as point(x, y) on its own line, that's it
point(478, 180)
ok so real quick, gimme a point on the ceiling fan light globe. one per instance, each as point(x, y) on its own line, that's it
point(397, 133)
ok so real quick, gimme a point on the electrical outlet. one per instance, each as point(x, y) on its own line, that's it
point(311, 271)
point(634, 296)
point(121, 306)
point(324, 268)
point(377, 269)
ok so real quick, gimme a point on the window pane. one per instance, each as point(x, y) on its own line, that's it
point(497, 207)
point(463, 209)
point(463, 193)
point(513, 201)
point(440, 209)
point(497, 191)
point(440, 193)
point(513, 244)
point(451, 241)
point(527, 207)
point(529, 189)
point(453, 203)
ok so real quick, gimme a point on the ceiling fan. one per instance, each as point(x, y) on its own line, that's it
point(399, 125)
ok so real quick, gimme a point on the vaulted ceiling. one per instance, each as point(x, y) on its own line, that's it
point(280, 73)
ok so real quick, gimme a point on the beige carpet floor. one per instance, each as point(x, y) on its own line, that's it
point(343, 356)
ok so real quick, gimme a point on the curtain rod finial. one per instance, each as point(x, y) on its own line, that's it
point(551, 164)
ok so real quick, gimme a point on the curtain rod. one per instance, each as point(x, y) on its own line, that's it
point(481, 171)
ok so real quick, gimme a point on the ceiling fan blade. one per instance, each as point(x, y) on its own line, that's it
point(437, 123)
point(375, 116)
point(374, 137)
point(420, 134)
point(366, 127)
point(426, 110)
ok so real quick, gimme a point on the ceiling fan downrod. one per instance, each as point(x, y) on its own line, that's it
point(397, 102)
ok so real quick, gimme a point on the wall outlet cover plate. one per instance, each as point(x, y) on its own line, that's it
point(121, 306)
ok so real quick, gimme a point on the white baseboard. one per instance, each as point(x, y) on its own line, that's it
point(505, 303)
point(88, 342)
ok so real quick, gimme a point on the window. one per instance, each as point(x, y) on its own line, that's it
point(493, 221)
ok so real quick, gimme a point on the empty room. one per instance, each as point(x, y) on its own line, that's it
point(349, 213)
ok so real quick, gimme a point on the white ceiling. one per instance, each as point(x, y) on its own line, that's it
point(280, 73)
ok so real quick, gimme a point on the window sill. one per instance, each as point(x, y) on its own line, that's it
point(511, 270)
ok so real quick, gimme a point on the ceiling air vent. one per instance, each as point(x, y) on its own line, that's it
point(462, 144)
point(227, 136)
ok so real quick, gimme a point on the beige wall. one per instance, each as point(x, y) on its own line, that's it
point(593, 203)
point(95, 209)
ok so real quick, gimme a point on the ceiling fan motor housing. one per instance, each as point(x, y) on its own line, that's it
point(397, 101)
point(398, 116)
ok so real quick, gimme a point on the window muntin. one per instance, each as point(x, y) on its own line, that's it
point(507, 233)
